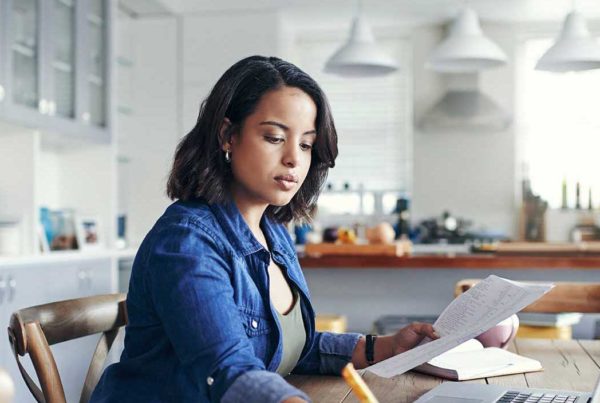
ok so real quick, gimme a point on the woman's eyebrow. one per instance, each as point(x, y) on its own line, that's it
point(283, 127)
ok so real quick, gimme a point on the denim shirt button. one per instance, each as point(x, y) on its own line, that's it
point(210, 380)
point(254, 324)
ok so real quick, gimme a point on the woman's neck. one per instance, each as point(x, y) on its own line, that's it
point(252, 213)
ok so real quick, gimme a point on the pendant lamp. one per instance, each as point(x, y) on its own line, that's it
point(360, 56)
point(466, 49)
point(574, 50)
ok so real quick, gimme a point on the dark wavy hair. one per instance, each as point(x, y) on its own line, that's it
point(199, 168)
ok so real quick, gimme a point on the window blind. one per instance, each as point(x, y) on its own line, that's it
point(373, 116)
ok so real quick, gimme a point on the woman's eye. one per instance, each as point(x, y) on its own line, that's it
point(305, 146)
point(273, 140)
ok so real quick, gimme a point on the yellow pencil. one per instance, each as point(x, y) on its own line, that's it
point(358, 385)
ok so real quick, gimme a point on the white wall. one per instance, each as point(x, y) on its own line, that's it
point(167, 65)
point(147, 119)
point(18, 182)
point(212, 42)
point(470, 174)
point(179, 59)
point(473, 175)
point(476, 176)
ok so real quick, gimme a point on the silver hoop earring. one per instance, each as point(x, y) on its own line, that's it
point(227, 157)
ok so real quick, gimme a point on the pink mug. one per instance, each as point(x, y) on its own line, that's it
point(501, 334)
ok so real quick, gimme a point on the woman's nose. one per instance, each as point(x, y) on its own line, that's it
point(291, 156)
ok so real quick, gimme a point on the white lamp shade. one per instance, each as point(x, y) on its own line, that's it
point(574, 50)
point(466, 49)
point(360, 56)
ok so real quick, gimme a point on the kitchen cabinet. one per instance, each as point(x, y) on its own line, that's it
point(23, 286)
point(55, 66)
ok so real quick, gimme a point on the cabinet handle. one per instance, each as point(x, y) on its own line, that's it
point(82, 275)
point(12, 289)
point(51, 108)
point(86, 117)
point(43, 106)
point(85, 279)
point(2, 289)
point(2, 93)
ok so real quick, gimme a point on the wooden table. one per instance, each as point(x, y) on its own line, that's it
point(568, 364)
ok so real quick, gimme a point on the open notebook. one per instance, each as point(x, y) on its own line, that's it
point(471, 360)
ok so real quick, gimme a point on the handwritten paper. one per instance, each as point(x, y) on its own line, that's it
point(481, 307)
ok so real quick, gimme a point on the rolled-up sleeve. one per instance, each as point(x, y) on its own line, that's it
point(261, 386)
point(188, 278)
point(329, 353)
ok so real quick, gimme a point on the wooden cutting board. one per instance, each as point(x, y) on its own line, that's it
point(322, 249)
point(548, 248)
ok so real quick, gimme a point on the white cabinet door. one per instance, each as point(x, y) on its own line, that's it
point(28, 286)
point(25, 286)
point(94, 277)
point(73, 357)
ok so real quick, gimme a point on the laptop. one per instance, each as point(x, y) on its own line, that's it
point(457, 392)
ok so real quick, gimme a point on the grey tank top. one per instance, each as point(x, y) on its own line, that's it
point(293, 337)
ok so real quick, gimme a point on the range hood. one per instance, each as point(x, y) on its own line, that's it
point(465, 108)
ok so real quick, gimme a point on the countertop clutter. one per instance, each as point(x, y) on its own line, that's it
point(440, 242)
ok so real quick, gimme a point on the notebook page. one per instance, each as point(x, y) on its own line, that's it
point(486, 304)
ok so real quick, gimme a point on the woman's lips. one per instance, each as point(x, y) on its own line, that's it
point(286, 182)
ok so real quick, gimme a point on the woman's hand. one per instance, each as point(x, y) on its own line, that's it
point(388, 346)
point(411, 335)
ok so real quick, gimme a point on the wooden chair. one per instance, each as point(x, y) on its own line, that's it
point(564, 297)
point(33, 330)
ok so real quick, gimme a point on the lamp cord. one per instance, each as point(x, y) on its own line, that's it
point(358, 8)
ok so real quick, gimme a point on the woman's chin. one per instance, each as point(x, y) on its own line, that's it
point(281, 200)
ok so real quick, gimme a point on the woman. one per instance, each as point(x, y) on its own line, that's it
point(218, 307)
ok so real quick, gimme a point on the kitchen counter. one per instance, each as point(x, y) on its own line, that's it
point(67, 256)
point(467, 261)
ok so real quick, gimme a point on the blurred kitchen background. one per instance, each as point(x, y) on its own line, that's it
point(457, 127)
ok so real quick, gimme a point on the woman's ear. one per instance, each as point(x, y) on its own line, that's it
point(225, 135)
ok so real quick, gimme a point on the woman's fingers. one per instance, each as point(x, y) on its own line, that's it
point(411, 335)
point(425, 329)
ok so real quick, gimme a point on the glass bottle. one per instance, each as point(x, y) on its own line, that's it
point(564, 204)
point(402, 205)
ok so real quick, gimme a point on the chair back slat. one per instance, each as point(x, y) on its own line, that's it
point(569, 297)
point(564, 297)
point(44, 364)
point(33, 330)
point(74, 318)
point(97, 363)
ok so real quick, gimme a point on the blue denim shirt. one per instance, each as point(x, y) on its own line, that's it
point(201, 325)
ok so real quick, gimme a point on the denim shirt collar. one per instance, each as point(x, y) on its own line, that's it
point(231, 220)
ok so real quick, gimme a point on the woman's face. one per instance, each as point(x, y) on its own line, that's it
point(271, 153)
